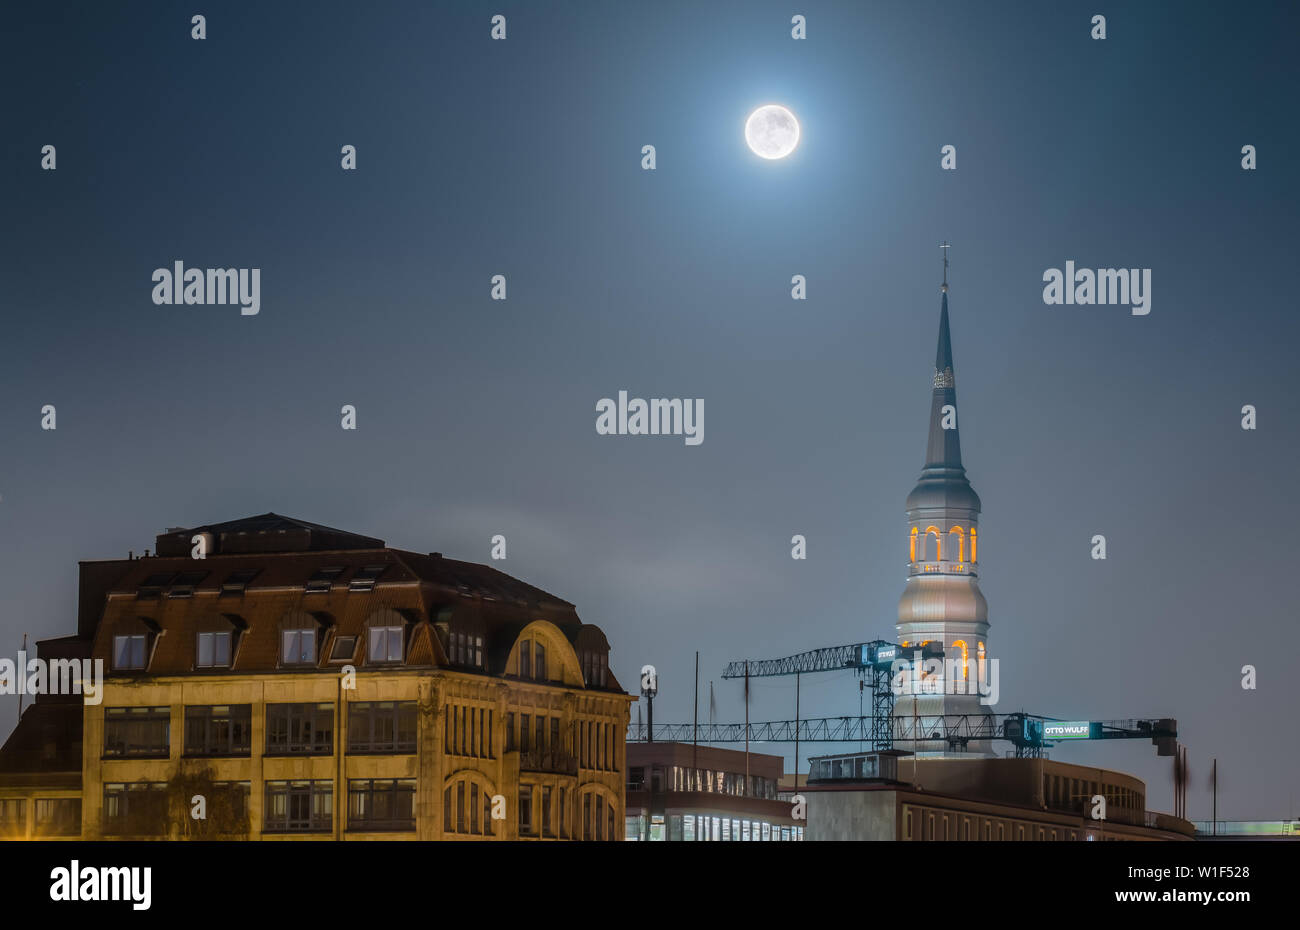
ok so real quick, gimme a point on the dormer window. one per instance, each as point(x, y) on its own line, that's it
point(595, 668)
point(385, 644)
point(300, 637)
point(214, 649)
point(465, 641)
point(298, 647)
point(385, 637)
point(130, 651)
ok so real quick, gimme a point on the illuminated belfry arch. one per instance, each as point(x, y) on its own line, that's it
point(942, 600)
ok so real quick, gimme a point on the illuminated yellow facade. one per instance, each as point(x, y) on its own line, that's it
point(352, 708)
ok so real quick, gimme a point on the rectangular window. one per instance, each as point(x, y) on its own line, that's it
point(219, 730)
point(185, 583)
point(139, 732)
point(381, 804)
point(58, 817)
point(525, 659)
point(228, 807)
point(510, 731)
point(523, 733)
point(136, 809)
point(525, 809)
point(298, 647)
point(306, 729)
point(385, 644)
point(546, 811)
point(214, 650)
point(129, 651)
point(382, 726)
point(344, 648)
point(13, 818)
point(151, 587)
point(539, 667)
point(299, 806)
point(237, 582)
point(586, 817)
point(364, 580)
point(323, 580)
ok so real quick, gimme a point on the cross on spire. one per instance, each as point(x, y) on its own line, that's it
point(945, 248)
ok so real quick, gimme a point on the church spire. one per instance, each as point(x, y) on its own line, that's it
point(943, 479)
point(944, 447)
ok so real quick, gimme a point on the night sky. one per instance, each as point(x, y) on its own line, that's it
point(477, 417)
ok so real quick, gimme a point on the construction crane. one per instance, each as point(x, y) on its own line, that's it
point(1030, 734)
point(872, 661)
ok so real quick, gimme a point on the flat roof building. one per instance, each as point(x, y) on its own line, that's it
point(678, 791)
point(893, 795)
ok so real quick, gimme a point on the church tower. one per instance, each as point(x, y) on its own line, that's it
point(942, 602)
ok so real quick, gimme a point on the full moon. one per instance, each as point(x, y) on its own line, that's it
point(772, 131)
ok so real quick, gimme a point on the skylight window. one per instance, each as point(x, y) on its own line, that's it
point(152, 586)
point(185, 583)
point(364, 580)
point(323, 580)
point(238, 581)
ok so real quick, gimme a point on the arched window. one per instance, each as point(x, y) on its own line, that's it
point(974, 557)
point(593, 656)
point(599, 817)
point(913, 544)
point(938, 543)
point(961, 543)
point(965, 669)
point(467, 807)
